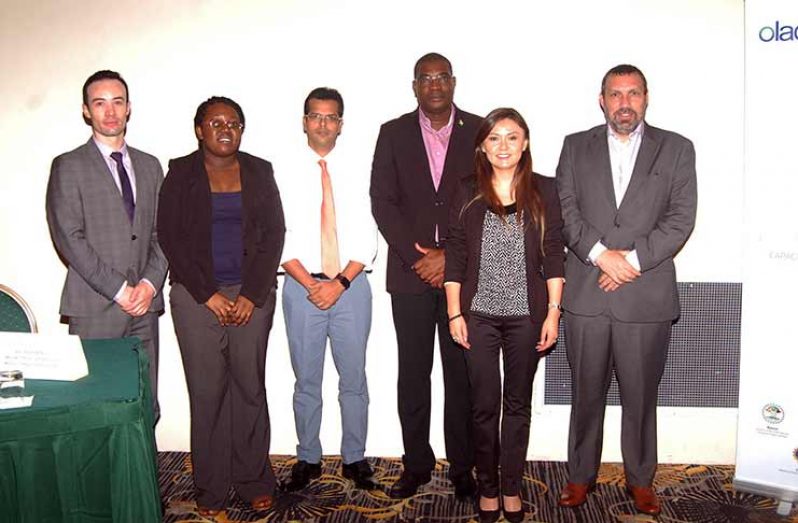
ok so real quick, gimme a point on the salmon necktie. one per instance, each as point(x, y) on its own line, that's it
point(330, 262)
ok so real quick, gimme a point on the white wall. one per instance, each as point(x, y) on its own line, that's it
point(544, 58)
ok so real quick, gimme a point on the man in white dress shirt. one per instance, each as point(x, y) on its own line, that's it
point(330, 242)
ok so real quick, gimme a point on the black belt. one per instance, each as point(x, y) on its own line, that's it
point(319, 275)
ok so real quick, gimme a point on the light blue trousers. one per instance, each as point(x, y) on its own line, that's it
point(347, 325)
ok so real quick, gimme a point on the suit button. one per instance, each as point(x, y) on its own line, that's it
point(438, 203)
point(133, 237)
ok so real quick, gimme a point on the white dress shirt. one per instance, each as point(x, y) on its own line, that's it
point(106, 151)
point(623, 156)
point(298, 175)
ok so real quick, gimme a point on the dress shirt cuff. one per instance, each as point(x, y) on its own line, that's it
point(597, 250)
point(121, 290)
point(633, 260)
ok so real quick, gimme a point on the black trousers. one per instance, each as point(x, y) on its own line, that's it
point(515, 338)
point(225, 373)
point(415, 317)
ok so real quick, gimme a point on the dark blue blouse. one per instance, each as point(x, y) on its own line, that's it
point(227, 237)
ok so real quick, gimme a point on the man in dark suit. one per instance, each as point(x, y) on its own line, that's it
point(628, 193)
point(419, 160)
point(101, 201)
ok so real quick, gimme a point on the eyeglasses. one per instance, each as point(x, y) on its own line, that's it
point(218, 125)
point(442, 78)
point(326, 118)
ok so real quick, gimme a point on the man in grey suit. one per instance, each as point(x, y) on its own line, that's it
point(628, 193)
point(101, 201)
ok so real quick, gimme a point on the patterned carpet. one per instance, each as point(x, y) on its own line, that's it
point(690, 494)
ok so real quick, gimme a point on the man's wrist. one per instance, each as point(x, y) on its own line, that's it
point(597, 250)
point(148, 282)
point(120, 292)
point(343, 280)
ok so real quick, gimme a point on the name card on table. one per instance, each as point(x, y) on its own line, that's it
point(43, 356)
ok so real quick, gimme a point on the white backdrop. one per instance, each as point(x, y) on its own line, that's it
point(544, 58)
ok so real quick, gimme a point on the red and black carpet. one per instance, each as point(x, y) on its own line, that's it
point(689, 494)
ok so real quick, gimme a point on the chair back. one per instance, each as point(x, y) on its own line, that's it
point(15, 314)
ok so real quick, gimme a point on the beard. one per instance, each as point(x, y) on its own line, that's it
point(624, 121)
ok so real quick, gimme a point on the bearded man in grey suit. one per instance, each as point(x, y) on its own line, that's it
point(628, 193)
point(101, 206)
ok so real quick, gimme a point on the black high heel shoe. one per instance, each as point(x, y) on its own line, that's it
point(488, 516)
point(516, 516)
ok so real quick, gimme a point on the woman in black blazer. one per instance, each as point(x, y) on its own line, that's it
point(220, 224)
point(504, 281)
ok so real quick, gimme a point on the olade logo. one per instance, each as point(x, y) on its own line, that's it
point(779, 32)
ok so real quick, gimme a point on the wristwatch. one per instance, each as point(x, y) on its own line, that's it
point(344, 280)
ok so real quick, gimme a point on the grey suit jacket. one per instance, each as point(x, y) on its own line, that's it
point(93, 234)
point(655, 217)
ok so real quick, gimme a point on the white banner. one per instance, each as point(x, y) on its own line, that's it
point(767, 440)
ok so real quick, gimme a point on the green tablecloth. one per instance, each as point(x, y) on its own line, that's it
point(85, 451)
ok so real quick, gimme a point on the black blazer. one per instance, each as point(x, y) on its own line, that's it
point(464, 247)
point(184, 227)
point(404, 201)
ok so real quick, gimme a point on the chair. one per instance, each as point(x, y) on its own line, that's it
point(15, 315)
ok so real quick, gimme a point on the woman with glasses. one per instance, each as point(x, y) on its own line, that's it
point(220, 224)
point(504, 281)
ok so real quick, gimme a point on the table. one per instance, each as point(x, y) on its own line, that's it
point(85, 451)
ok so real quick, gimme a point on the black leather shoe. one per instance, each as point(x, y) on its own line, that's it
point(488, 516)
point(408, 484)
point(465, 488)
point(301, 474)
point(513, 516)
point(360, 472)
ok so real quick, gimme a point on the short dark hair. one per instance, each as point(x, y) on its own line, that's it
point(623, 70)
point(431, 57)
point(325, 93)
point(203, 108)
point(105, 74)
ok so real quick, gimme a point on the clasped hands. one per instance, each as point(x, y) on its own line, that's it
point(324, 294)
point(430, 267)
point(230, 312)
point(136, 300)
point(615, 270)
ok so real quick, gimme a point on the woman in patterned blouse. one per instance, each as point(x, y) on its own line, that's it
point(504, 281)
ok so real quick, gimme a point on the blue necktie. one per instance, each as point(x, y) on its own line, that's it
point(127, 190)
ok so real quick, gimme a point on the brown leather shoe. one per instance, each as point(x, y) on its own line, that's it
point(574, 494)
point(645, 500)
point(208, 512)
point(263, 502)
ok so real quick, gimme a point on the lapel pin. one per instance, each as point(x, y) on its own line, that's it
point(460, 122)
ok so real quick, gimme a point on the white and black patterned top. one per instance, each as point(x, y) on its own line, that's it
point(501, 285)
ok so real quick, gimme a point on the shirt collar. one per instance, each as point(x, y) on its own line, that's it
point(633, 136)
point(426, 124)
point(106, 150)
